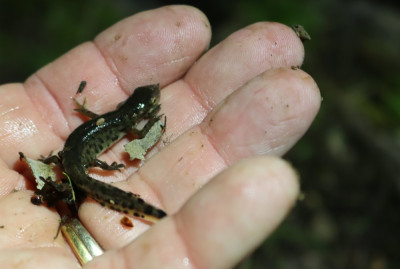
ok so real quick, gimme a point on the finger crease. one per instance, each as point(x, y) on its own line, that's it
point(111, 66)
point(205, 105)
point(58, 106)
point(184, 241)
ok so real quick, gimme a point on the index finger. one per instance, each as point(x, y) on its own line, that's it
point(136, 51)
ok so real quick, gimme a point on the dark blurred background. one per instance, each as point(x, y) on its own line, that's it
point(349, 161)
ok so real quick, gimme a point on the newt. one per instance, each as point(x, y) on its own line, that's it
point(99, 133)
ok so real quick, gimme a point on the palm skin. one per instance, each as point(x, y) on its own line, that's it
point(231, 113)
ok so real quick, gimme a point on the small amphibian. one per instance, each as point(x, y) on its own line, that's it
point(93, 137)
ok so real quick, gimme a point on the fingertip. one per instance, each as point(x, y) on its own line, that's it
point(278, 106)
point(241, 57)
point(235, 212)
point(298, 83)
point(158, 45)
point(194, 12)
point(286, 179)
point(283, 44)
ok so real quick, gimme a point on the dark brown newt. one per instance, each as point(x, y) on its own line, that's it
point(93, 137)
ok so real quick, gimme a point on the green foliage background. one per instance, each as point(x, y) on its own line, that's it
point(349, 161)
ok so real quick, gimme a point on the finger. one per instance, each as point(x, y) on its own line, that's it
point(268, 115)
point(218, 226)
point(156, 46)
point(242, 56)
point(225, 68)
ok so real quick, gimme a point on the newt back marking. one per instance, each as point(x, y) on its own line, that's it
point(96, 135)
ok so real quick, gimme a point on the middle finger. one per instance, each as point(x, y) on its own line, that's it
point(226, 67)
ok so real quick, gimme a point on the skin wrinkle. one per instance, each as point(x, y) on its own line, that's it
point(270, 146)
point(205, 102)
point(207, 131)
point(204, 106)
point(203, 132)
point(4, 113)
point(151, 187)
point(177, 225)
point(124, 262)
point(110, 64)
point(58, 106)
point(179, 62)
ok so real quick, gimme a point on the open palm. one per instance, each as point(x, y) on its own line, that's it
point(231, 113)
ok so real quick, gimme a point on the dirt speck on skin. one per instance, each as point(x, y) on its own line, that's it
point(301, 32)
point(206, 24)
point(117, 37)
point(123, 57)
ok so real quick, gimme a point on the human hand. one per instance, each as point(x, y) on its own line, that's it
point(231, 113)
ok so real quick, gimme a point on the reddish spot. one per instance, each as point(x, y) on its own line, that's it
point(127, 222)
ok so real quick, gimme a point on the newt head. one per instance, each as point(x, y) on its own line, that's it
point(144, 98)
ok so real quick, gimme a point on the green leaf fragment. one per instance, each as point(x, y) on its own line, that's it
point(137, 148)
point(70, 184)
